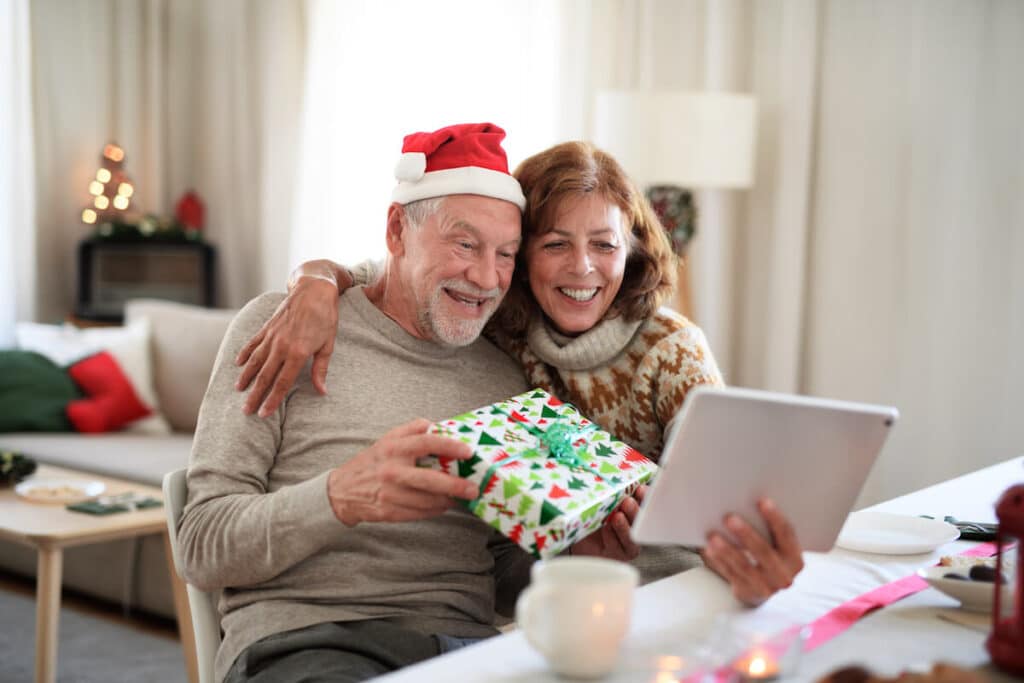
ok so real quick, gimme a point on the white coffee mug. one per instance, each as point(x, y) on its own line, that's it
point(576, 613)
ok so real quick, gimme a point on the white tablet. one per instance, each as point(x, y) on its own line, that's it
point(730, 447)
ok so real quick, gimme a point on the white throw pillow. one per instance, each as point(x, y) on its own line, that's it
point(129, 345)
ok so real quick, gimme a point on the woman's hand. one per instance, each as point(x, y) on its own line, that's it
point(612, 540)
point(755, 568)
point(304, 325)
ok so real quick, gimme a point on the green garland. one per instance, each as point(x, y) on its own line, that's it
point(149, 228)
point(14, 467)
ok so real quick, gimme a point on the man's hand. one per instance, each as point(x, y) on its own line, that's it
point(304, 325)
point(383, 484)
point(755, 568)
point(612, 540)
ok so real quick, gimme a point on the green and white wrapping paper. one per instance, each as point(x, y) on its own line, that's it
point(548, 476)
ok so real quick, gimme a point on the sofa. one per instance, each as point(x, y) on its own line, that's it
point(183, 344)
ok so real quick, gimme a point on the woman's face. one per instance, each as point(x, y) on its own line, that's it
point(575, 267)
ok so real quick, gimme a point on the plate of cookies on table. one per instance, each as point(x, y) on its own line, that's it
point(59, 490)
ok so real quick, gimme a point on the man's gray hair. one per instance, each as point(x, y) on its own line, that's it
point(422, 209)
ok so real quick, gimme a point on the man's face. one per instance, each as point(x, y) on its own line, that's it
point(458, 265)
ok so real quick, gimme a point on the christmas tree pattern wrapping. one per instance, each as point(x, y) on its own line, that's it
point(548, 476)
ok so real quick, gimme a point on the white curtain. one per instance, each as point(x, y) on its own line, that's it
point(201, 96)
point(881, 249)
point(917, 288)
point(17, 175)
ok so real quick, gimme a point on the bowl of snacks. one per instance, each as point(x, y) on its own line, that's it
point(971, 580)
point(59, 491)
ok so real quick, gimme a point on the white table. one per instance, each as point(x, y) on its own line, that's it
point(672, 616)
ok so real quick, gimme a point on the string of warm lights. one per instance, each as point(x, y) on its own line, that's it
point(111, 191)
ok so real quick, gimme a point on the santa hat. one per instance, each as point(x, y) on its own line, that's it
point(462, 159)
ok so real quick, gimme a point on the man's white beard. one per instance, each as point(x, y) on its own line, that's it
point(454, 330)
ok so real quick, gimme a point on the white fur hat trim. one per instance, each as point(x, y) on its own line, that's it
point(463, 180)
point(411, 166)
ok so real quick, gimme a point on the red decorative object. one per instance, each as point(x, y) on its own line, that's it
point(1006, 642)
point(189, 211)
point(112, 401)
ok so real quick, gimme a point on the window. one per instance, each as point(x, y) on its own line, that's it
point(376, 71)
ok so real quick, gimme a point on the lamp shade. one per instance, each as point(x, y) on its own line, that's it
point(691, 139)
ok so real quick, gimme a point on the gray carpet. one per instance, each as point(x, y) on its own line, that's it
point(91, 650)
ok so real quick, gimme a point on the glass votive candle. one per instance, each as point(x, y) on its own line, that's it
point(759, 664)
point(751, 647)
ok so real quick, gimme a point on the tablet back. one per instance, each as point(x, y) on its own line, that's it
point(730, 447)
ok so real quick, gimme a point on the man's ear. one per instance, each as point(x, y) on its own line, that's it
point(396, 229)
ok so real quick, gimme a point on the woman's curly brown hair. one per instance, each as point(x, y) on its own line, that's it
point(572, 170)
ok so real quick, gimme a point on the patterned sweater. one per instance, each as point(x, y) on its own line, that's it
point(629, 377)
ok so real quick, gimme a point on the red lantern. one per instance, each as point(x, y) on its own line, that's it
point(1006, 643)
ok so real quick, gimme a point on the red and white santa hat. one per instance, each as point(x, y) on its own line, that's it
point(466, 158)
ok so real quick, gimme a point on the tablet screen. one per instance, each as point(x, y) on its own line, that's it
point(730, 447)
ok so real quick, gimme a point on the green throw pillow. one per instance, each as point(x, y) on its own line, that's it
point(33, 393)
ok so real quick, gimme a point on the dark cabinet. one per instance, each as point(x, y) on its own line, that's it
point(110, 272)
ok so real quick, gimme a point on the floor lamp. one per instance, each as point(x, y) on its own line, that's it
point(674, 142)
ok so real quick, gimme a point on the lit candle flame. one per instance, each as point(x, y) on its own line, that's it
point(758, 665)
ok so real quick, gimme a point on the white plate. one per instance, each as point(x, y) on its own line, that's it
point(59, 490)
point(871, 531)
point(975, 596)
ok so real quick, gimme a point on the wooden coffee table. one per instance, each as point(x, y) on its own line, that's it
point(49, 528)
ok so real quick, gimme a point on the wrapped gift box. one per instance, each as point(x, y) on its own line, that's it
point(548, 476)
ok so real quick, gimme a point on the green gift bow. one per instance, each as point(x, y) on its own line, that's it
point(558, 438)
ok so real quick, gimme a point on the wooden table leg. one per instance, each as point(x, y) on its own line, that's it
point(48, 580)
point(184, 615)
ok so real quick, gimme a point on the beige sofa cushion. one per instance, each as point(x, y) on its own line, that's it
point(184, 340)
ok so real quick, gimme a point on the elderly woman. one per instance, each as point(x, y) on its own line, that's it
point(583, 318)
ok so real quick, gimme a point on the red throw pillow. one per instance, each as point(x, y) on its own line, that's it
point(111, 403)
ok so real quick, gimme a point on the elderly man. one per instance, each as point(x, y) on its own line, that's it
point(339, 559)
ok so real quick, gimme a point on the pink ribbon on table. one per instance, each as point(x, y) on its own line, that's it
point(839, 619)
point(831, 624)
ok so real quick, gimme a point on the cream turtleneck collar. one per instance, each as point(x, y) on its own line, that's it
point(591, 349)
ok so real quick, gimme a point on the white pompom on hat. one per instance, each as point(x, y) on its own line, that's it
point(466, 158)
